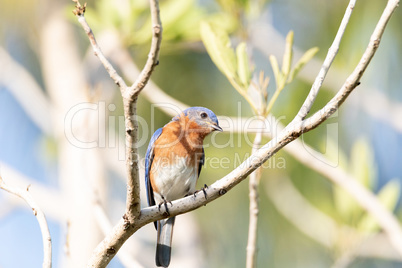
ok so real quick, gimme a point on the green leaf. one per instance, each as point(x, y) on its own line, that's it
point(224, 20)
point(334, 153)
point(307, 56)
point(345, 204)
point(186, 27)
point(171, 13)
point(362, 167)
point(288, 55)
point(275, 69)
point(388, 197)
point(218, 45)
point(362, 163)
point(243, 68)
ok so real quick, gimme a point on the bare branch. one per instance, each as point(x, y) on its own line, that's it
point(333, 50)
point(130, 112)
point(125, 63)
point(55, 209)
point(46, 239)
point(79, 13)
point(375, 104)
point(254, 182)
point(353, 80)
point(153, 55)
point(124, 256)
point(105, 251)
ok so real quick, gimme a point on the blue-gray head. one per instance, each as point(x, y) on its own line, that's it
point(202, 116)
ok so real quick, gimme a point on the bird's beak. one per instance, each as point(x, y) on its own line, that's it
point(216, 127)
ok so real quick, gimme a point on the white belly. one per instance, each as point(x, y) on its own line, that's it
point(175, 180)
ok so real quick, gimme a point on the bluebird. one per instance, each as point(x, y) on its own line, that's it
point(173, 163)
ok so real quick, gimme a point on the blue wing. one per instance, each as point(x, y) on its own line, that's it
point(148, 162)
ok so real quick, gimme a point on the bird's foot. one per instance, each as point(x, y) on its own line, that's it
point(165, 202)
point(203, 189)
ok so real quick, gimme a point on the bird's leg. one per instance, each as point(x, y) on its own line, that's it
point(204, 190)
point(164, 202)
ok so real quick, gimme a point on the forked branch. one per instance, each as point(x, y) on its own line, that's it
point(105, 251)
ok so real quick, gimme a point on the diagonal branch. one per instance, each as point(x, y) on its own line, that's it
point(333, 50)
point(353, 80)
point(40, 216)
point(290, 133)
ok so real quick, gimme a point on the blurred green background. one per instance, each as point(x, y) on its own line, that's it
point(366, 140)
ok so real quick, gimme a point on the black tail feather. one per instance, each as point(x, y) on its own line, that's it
point(164, 243)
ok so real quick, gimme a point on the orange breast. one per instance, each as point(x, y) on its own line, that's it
point(176, 143)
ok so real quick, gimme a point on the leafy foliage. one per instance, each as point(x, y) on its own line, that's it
point(181, 20)
point(235, 66)
point(362, 166)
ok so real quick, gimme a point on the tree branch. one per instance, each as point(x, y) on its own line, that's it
point(375, 104)
point(105, 251)
point(55, 209)
point(125, 256)
point(333, 50)
point(153, 55)
point(79, 13)
point(130, 96)
point(354, 79)
point(254, 182)
point(46, 239)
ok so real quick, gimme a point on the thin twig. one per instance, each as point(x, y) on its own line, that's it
point(153, 56)
point(254, 182)
point(353, 80)
point(333, 50)
point(46, 239)
point(43, 193)
point(79, 13)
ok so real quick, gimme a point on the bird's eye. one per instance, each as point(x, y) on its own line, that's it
point(203, 115)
